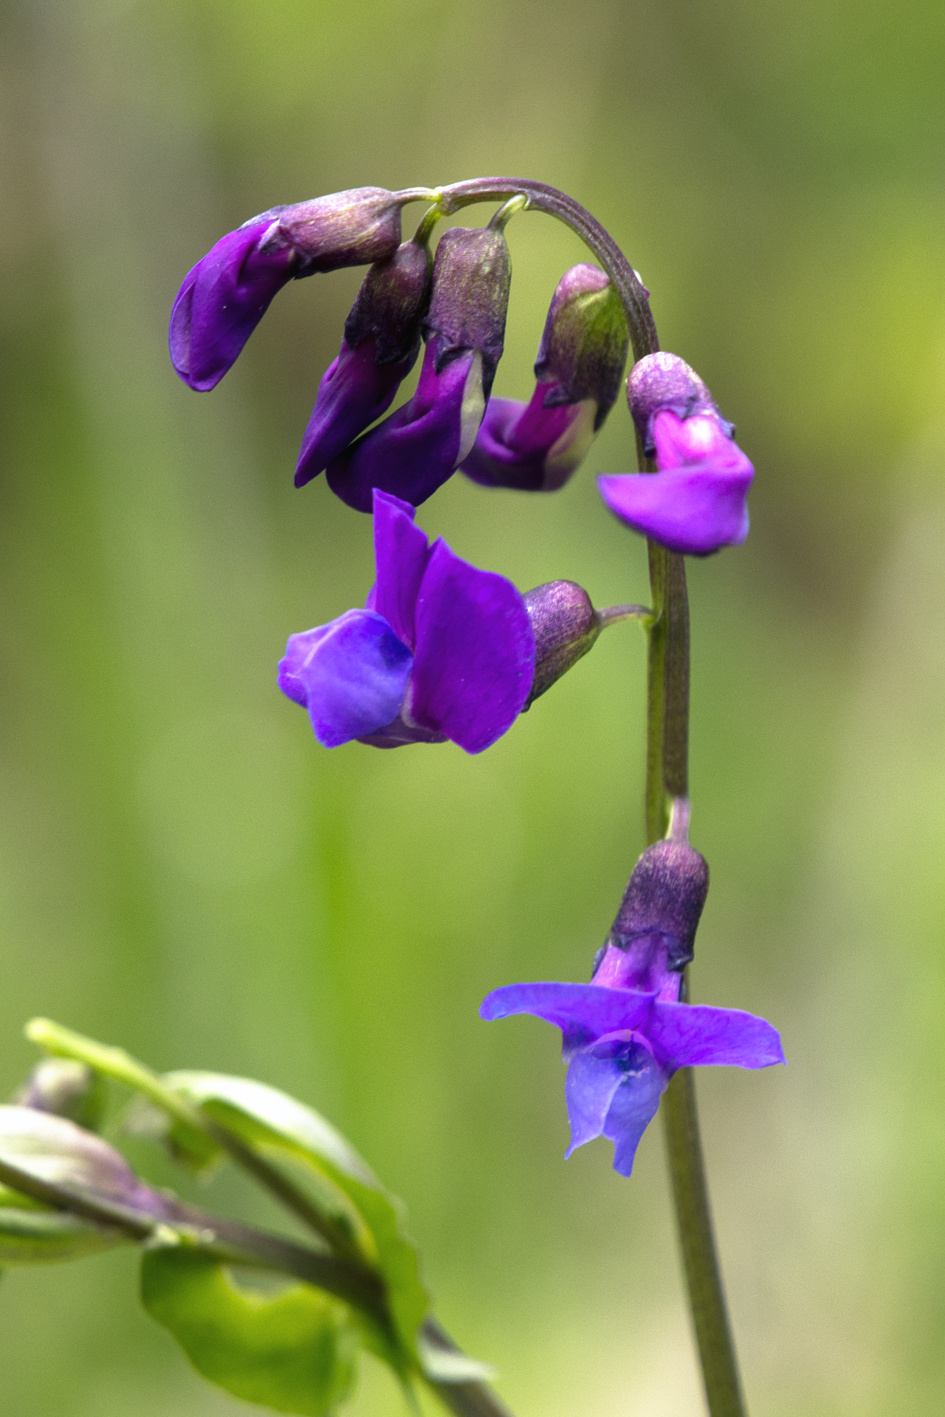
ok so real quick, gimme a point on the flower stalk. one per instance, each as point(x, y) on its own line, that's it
point(667, 778)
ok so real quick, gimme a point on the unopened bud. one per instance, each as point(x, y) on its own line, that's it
point(349, 228)
point(391, 303)
point(54, 1149)
point(661, 382)
point(565, 625)
point(584, 346)
point(665, 897)
point(472, 273)
point(65, 1088)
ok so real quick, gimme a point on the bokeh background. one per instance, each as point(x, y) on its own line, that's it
point(184, 871)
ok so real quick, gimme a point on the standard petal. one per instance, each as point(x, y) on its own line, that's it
point(401, 555)
point(528, 446)
point(694, 510)
point(634, 1104)
point(417, 448)
point(354, 391)
point(583, 1012)
point(684, 1035)
point(350, 675)
point(222, 301)
point(475, 652)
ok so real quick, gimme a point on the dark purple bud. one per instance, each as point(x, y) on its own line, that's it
point(565, 625)
point(382, 340)
point(391, 304)
point(697, 502)
point(584, 347)
point(227, 293)
point(66, 1089)
point(471, 278)
point(350, 228)
point(535, 447)
point(665, 896)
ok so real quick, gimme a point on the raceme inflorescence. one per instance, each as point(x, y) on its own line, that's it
point(441, 650)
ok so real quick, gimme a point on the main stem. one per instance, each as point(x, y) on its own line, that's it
point(667, 778)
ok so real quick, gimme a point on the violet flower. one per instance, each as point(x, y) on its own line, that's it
point(416, 449)
point(380, 345)
point(535, 447)
point(226, 294)
point(441, 651)
point(626, 1033)
point(696, 501)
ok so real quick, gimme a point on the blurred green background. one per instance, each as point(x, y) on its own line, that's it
point(184, 871)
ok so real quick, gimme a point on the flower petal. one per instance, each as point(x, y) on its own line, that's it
point(351, 675)
point(583, 1012)
point(634, 1105)
point(475, 652)
point(683, 1035)
point(694, 510)
point(417, 448)
point(401, 555)
point(354, 391)
point(528, 446)
point(222, 301)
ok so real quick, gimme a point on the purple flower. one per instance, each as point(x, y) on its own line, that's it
point(442, 650)
point(626, 1033)
point(535, 447)
point(227, 293)
point(380, 346)
point(696, 502)
point(416, 449)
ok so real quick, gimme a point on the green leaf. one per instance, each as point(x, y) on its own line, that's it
point(277, 1125)
point(292, 1351)
point(32, 1236)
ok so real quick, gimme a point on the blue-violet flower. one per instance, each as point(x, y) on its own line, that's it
point(626, 1033)
point(441, 651)
point(696, 501)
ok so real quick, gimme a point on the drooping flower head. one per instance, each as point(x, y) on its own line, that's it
point(416, 449)
point(626, 1033)
point(696, 502)
point(535, 447)
point(442, 650)
point(229, 290)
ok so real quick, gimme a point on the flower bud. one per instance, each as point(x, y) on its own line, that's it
point(228, 291)
point(381, 342)
point(66, 1089)
point(565, 625)
point(584, 346)
point(349, 228)
point(391, 304)
point(697, 502)
point(535, 447)
point(54, 1149)
point(471, 278)
point(665, 896)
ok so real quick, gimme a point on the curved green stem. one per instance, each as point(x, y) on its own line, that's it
point(667, 781)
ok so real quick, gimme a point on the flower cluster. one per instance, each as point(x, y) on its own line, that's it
point(626, 1033)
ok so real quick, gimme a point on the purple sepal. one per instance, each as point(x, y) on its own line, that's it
point(530, 447)
point(696, 501)
point(416, 449)
point(222, 301)
point(350, 674)
point(354, 391)
point(613, 1090)
point(442, 650)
